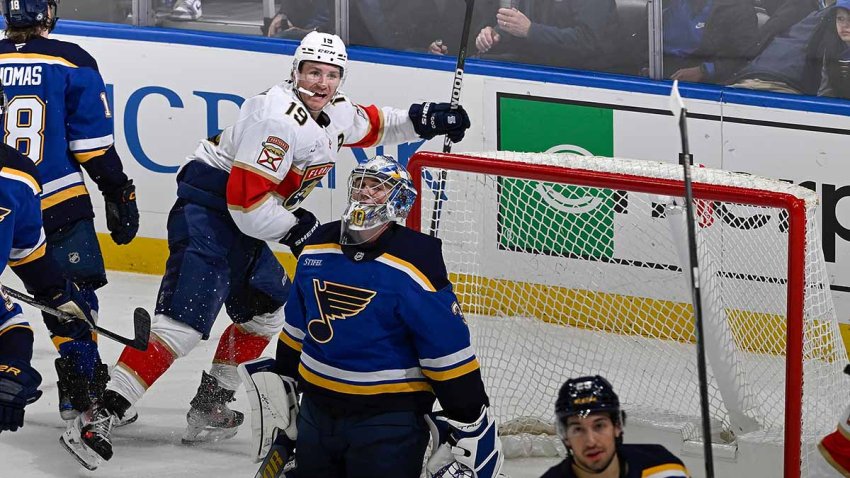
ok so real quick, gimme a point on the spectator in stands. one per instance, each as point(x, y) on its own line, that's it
point(407, 25)
point(297, 18)
point(782, 15)
point(792, 61)
point(590, 423)
point(707, 40)
point(835, 74)
point(571, 33)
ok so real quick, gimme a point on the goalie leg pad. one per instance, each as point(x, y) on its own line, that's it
point(475, 446)
point(274, 403)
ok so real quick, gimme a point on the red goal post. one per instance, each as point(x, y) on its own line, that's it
point(476, 192)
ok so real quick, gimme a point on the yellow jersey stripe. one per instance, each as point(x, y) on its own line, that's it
point(36, 58)
point(86, 156)
point(456, 372)
point(63, 196)
point(36, 254)
point(290, 342)
point(16, 326)
point(401, 387)
point(21, 176)
point(409, 269)
point(665, 470)
point(318, 247)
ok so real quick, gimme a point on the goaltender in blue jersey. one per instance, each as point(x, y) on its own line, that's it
point(374, 333)
point(23, 247)
point(58, 116)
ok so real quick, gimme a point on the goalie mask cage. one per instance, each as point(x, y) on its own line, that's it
point(568, 265)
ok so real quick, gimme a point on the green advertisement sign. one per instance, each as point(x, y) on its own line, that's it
point(547, 217)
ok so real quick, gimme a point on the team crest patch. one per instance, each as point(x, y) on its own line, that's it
point(274, 149)
point(3, 213)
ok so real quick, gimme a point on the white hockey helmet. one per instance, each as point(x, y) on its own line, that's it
point(363, 219)
point(323, 48)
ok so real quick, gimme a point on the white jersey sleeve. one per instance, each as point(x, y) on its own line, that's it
point(263, 156)
point(367, 126)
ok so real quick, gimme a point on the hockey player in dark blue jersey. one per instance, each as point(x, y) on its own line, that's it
point(22, 246)
point(373, 333)
point(590, 423)
point(59, 117)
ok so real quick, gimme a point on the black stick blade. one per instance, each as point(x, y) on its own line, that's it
point(142, 328)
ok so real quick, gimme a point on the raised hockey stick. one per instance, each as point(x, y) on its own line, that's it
point(455, 102)
point(677, 107)
point(141, 321)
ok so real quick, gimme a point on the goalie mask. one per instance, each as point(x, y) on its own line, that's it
point(31, 13)
point(380, 191)
point(321, 48)
point(583, 396)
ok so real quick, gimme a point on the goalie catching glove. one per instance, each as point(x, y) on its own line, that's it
point(468, 450)
point(274, 410)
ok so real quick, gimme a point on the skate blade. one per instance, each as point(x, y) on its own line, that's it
point(72, 443)
point(130, 416)
point(197, 436)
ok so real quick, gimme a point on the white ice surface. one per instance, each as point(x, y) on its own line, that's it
point(150, 447)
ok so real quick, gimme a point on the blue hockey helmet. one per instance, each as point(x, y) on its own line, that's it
point(31, 13)
point(379, 191)
point(585, 395)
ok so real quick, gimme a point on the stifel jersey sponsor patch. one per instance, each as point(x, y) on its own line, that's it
point(274, 149)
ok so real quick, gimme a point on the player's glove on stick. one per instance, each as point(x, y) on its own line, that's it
point(72, 302)
point(464, 449)
point(18, 388)
point(122, 213)
point(432, 119)
point(301, 231)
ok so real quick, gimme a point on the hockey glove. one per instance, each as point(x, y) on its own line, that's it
point(432, 119)
point(72, 302)
point(122, 214)
point(464, 449)
point(18, 388)
point(301, 231)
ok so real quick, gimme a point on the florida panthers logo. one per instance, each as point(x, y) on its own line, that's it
point(336, 302)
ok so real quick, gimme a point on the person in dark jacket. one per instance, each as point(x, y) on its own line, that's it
point(571, 33)
point(297, 18)
point(835, 73)
point(792, 61)
point(590, 423)
point(707, 40)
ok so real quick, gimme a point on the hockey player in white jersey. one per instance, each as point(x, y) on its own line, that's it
point(239, 189)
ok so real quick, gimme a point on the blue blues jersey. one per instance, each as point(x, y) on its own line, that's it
point(379, 327)
point(22, 239)
point(636, 461)
point(59, 117)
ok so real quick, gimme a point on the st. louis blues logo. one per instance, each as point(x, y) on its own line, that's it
point(336, 302)
point(3, 213)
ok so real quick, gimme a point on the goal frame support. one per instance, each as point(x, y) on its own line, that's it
point(795, 207)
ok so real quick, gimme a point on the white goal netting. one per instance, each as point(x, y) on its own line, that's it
point(568, 265)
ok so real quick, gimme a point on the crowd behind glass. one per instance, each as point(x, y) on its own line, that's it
point(787, 46)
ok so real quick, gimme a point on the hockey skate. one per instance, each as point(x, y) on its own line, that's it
point(210, 419)
point(75, 391)
point(186, 10)
point(87, 437)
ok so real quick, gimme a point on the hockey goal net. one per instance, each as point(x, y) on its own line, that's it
point(568, 265)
